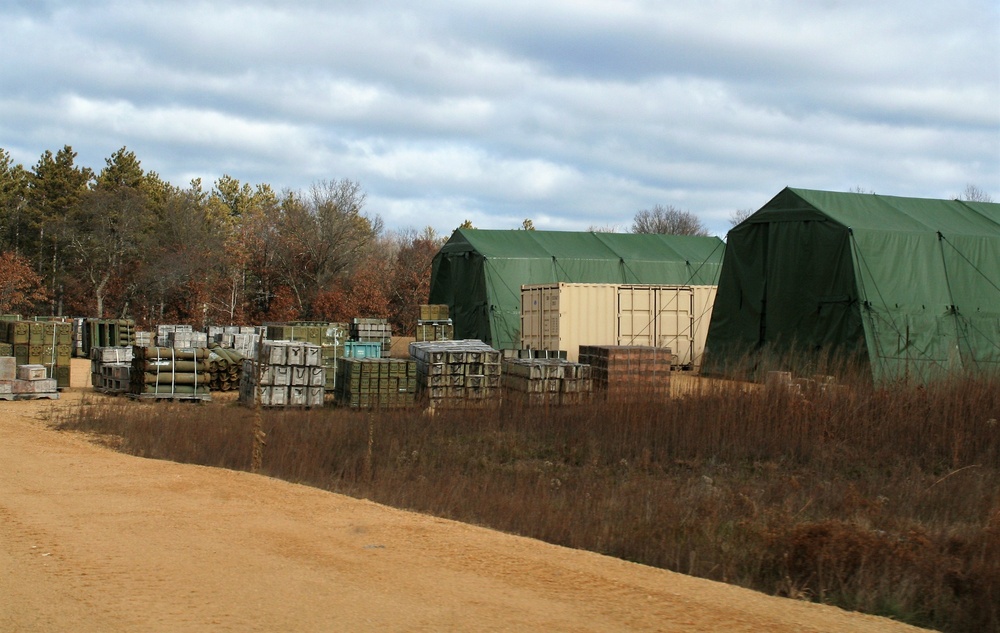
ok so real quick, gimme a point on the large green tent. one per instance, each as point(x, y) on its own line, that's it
point(911, 285)
point(479, 273)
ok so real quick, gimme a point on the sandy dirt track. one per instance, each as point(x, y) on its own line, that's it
point(93, 540)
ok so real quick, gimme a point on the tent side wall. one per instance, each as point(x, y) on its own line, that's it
point(931, 305)
point(972, 264)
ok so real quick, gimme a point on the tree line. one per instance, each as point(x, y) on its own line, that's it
point(122, 242)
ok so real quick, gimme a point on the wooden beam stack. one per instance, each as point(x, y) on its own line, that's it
point(621, 372)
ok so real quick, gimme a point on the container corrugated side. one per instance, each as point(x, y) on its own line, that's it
point(564, 316)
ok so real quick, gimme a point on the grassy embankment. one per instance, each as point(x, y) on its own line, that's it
point(883, 500)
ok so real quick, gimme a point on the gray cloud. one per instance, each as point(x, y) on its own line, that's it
point(571, 113)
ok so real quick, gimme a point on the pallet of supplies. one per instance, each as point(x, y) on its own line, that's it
point(623, 372)
point(457, 374)
point(170, 373)
point(285, 374)
point(546, 381)
point(111, 369)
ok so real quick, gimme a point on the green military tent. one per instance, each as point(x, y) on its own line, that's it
point(909, 285)
point(479, 273)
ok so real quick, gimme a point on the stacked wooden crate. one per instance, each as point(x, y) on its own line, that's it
point(529, 353)
point(286, 374)
point(542, 381)
point(8, 374)
point(6, 348)
point(330, 337)
point(111, 369)
point(77, 338)
point(623, 372)
point(377, 383)
point(25, 382)
point(164, 330)
point(107, 333)
point(144, 338)
point(366, 330)
point(240, 338)
point(180, 337)
point(47, 343)
point(462, 373)
point(170, 373)
point(434, 324)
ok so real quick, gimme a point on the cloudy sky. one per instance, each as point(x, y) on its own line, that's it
point(572, 113)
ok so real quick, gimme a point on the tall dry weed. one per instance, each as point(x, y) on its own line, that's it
point(884, 499)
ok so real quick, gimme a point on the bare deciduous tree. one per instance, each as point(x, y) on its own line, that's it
point(973, 193)
point(324, 235)
point(668, 220)
point(739, 215)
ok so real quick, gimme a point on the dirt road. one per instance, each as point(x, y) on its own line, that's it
point(93, 540)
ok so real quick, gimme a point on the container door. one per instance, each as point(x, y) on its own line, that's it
point(550, 318)
point(703, 300)
point(636, 316)
point(531, 317)
point(674, 321)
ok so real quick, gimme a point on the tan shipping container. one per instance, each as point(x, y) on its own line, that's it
point(564, 316)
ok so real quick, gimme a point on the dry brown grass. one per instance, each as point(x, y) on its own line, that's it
point(880, 499)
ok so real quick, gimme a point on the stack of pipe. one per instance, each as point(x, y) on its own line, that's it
point(225, 366)
point(170, 372)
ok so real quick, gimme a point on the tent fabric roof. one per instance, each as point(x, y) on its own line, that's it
point(479, 273)
point(875, 212)
point(613, 247)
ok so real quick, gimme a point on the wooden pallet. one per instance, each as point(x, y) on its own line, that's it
point(171, 397)
point(108, 391)
point(51, 395)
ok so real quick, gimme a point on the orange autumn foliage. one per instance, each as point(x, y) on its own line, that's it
point(20, 286)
